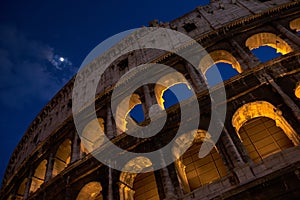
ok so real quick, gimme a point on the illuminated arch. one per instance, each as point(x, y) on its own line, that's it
point(123, 110)
point(38, 176)
point(258, 111)
point(92, 135)
point(90, 191)
point(166, 82)
point(295, 24)
point(21, 189)
point(128, 180)
point(297, 90)
point(192, 171)
point(62, 157)
point(219, 56)
point(268, 39)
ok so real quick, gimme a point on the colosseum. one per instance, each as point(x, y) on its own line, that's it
point(256, 156)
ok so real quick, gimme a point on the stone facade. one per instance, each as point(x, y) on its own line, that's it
point(50, 162)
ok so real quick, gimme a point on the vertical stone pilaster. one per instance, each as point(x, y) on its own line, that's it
point(28, 184)
point(287, 33)
point(167, 182)
point(289, 102)
point(75, 148)
point(231, 148)
point(196, 79)
point(49, 168)
point(149, 101)
point(248, 57)
point(110, 195)
point(109, 125)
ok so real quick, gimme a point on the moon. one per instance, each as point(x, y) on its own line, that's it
point(61, 59)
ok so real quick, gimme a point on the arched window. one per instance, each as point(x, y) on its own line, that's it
point(182, 93)
point(137, 113)
point(138, 186)
point(263, 130)
point(267, 46)
point(38, 176)
point(177, 84)
point(219, 62)
point(92, 135)
point(90, 191)
point(297, 90)
point(21, 189)
point(123, 112)
point(62, 157)
point(295, 25)
point(194, 172)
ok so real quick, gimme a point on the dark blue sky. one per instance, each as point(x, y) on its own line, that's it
point(35, 34)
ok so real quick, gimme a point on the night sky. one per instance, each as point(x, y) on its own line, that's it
point(36, 35)
point(43, 43)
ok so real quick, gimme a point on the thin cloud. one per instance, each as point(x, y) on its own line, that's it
point(29, 69)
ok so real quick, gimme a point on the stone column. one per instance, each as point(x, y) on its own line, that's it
point(166, 179)
point(248, 57)
point(287, 33)
point(109, 125)
point(231, 148)
point(75, 148)
point(28, 184)
point(149, 101)
point(49, 168)
point(289, 102)
point(196, 79)
point(110, 195)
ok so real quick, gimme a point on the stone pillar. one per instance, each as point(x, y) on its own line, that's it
point(75, 148)
point(196, 79)
point(149, 101)
point(289, 102)
point(109, 125)
point(110, 193)
point(28, 184)
point(231, 148)
point(287, 33)
point(166, 179)
point(49, 168)
point(248, 57)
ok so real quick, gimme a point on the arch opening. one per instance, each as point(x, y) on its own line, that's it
point(295, 25)
point(182, 91)
point(219, 62)
point(124, 116)
point(62, 157)
point(263, 130)
point(38, 177)
point(92, 135)
point(194, 172)
point(173, 83)
point(90, 191)
point(140, 185)
point(261, 43)
point(137, 113)
point(224, 69)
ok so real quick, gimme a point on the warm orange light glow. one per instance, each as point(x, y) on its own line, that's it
point(295, 24)
point(62, 157)
point(297, 90)
point(123, 110)
point(219, 56)
point(93, 135)
point(263, 109)
point(166, 82)
point(39, 176)
point(91, 191)
point(268, 39)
